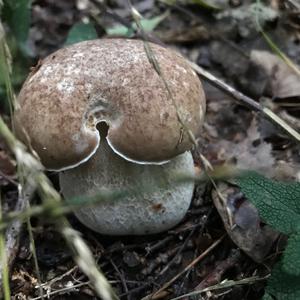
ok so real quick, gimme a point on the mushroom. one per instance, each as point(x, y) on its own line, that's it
point(143, 211)
point(98, 111)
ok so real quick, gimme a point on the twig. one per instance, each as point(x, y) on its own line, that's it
point(158, 245)
point(75, 286)
point(188, 267)
point(221, 267)
point(138, 289)
point(14, 230)
point(180, 250)
point(223, 285)
point(58, 278)
point(121, 276)
point(243, 99)
point(119, 19)
point(33, 251)
point(160, 259)
point(183, 246)
point(295, 4)
point(110, 13)
point(64, 290)
point(8, 178)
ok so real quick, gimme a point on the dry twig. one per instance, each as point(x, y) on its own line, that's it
point(154, 295)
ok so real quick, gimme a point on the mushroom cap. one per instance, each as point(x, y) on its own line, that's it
point(111, 81)
point(154, 201)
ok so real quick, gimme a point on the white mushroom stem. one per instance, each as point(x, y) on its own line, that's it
point(142, 213)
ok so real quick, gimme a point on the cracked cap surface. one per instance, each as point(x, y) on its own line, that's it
point(111, 81)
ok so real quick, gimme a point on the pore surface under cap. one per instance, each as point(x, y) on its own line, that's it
point(109, 80)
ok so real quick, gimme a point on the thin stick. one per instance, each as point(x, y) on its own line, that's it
point(34, 255)
point(13, 231)
point(243, 99)
point(188, 267)
point(180, 250)
point(64, 290)
point(223, 285)
point(4, 263)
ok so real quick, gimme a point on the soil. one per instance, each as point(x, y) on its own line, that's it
point(221, 42)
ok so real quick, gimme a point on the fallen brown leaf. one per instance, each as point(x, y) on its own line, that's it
point(242, 222)
point(7, 165)
point(250, 153)
point(283, 81)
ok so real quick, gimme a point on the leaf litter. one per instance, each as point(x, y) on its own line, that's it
point(231, 135)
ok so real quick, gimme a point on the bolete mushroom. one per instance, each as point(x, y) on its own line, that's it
point(111, 82)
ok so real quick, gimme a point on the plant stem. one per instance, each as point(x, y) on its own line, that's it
point(5, 271)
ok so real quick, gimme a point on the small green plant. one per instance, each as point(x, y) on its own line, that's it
point(81, 32)
point(16, 16)
point(279, 205)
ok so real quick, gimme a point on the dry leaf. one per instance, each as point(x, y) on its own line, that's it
point(185, 35)
point(242, 222)
point(283, 81)
point(250, 154)
point(7, 165)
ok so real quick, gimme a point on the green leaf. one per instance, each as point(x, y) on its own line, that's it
point(267, 297)
point(150, 24)
point(282, 286)
point(81, 32)
point(291, 257)
point(278, 203)
point(17, 15)
point(147, 24)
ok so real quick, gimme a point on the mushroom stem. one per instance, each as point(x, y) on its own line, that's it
point(143, 212)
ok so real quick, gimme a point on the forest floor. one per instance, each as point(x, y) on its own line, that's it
point(201, 250)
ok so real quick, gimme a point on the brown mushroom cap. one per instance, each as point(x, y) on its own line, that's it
point(111, 81)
